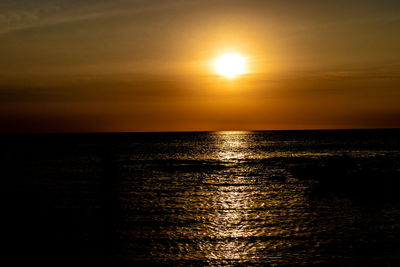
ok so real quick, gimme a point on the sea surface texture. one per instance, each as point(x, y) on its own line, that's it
point(274, 198)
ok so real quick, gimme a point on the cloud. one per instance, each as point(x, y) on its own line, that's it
point(377, 72)
point(19, 15)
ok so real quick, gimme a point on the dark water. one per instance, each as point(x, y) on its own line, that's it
point(226, 198)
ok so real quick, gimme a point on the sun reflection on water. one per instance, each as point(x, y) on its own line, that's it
point(232, 211)
point(231, 201)
point(246, 208)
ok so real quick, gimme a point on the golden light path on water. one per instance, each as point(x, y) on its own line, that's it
point(225, 205)
point(244, 210)
point(230, 202)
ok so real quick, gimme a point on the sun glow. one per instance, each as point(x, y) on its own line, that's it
point(230, 65)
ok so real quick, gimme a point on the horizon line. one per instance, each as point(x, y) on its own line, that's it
point(192, 131)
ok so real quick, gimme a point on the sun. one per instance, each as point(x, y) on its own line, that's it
point(230, 65)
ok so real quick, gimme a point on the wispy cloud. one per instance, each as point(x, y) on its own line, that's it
point(376, 72)
point(33, 14)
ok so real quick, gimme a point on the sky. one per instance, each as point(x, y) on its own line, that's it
point(137, 65)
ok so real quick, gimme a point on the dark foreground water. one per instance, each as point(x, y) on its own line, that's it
point(226, 198)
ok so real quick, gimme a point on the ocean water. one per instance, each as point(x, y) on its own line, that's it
point(275, 198)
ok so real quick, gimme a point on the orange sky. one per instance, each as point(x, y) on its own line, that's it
point(73, 66)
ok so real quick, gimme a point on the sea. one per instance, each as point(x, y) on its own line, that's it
point(258, 198)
